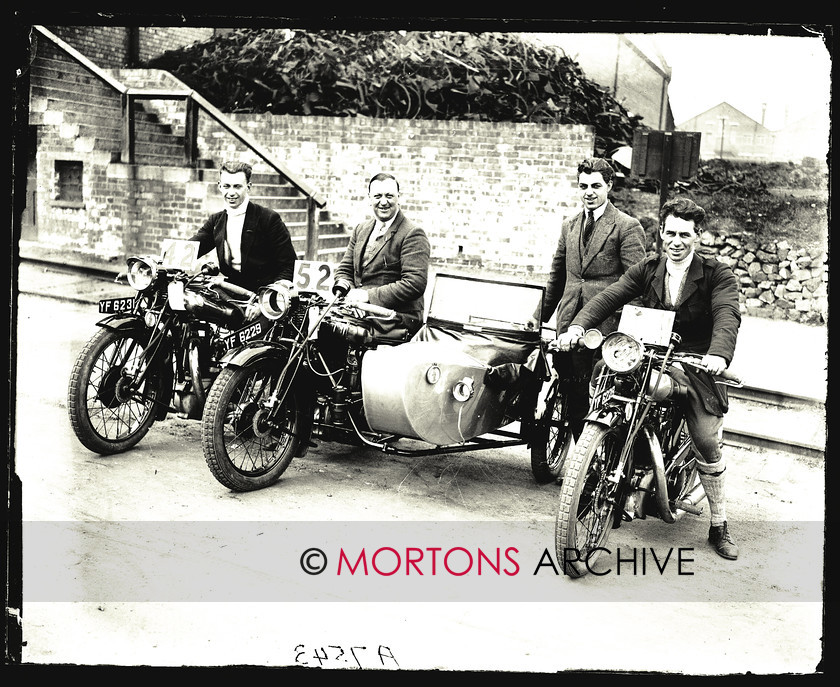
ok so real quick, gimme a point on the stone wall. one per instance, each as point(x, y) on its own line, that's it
point(776, 280)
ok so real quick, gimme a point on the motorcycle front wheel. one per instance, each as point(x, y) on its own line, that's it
point(587, 499)
point(243, 448)
point(550, 441)
point(107, 412)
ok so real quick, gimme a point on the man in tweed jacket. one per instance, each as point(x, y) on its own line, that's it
point(583, 267)
point(387, 259)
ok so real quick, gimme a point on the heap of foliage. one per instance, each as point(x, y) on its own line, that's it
point(403, 75)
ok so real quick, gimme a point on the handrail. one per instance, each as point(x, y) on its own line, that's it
point(84, 61)
point(260, 150)
point(188, 95)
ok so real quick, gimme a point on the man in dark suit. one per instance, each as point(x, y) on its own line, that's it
point(704, 295)
point(387, 260)
point(253, 245)
point(596, 246)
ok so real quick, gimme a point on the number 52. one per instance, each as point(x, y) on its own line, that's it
point(313, 276)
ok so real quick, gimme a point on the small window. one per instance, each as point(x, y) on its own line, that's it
point(68, 175)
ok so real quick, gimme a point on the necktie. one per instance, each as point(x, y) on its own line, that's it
point(587, 230)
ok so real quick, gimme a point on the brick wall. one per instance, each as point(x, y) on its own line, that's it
point(107, 46)
point(493, 193)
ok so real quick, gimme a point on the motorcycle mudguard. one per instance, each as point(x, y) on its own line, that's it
point(122, 322)
point(239, 357)
point(608, 417)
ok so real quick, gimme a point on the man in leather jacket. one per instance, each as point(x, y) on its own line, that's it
point(703, 293)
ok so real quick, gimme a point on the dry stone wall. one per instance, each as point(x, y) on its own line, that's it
point(776, 280)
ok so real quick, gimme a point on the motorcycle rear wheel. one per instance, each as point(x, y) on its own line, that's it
point(106, 415)
point(587, 499)
point(550, 441)
point(241, 450)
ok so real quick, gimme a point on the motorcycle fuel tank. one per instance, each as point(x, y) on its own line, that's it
point(429, 391)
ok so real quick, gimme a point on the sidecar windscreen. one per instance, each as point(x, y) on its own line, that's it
point(477, 304)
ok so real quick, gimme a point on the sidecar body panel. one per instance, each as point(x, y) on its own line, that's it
point(459, 375)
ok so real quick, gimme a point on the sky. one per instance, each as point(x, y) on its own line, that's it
point(791, 75)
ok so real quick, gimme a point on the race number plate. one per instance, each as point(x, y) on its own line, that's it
point(312, 275)
point(648, 325)
point(249, 332)
point(179, 255)
point(115, 305)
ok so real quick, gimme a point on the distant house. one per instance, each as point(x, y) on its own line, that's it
point(728, 133)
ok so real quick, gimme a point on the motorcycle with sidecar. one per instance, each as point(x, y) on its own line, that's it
point(477, 375)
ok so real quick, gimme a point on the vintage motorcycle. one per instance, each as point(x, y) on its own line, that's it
point(634, 458)
point(156, 351)
point(349, 373)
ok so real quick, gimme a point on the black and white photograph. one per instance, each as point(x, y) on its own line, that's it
point(419, 345)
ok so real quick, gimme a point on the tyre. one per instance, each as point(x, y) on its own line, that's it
point(109, 414)
point(587, 499)
point(550, 442)
point(242, 450)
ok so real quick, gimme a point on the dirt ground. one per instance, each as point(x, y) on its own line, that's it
point(144, 559)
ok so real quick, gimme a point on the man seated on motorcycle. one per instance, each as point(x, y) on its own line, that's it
point(704, 295)
point(387, 260)
point(252, 245)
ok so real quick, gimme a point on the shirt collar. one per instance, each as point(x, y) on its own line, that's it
point(597, 212)
point(378, 229)
point(241, 210)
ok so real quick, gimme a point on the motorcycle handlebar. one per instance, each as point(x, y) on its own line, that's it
point(235, 290)
point(375, 309)
point(728, 375)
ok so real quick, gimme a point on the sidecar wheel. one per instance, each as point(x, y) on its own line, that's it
point(550, 443)
point(587, 499)
point(242, 451)
point(107, 414)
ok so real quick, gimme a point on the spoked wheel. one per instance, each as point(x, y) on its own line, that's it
point(551, 440)
point(587, 499)
point(108, 411)
point(244, 448)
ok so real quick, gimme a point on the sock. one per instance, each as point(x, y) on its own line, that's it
point(712, 477)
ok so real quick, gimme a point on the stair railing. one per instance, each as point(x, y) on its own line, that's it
point(194, 104)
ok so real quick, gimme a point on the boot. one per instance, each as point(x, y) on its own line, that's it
point(720, 538)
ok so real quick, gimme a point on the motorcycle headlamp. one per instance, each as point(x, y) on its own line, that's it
point(141, 272)
point(621, 352)
point(274, 300)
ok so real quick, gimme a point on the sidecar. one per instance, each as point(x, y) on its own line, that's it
point(475, 367)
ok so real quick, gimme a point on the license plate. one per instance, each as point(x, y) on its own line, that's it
point(242, 336)
point(114, 305)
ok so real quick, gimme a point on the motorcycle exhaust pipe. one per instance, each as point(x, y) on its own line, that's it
point(661, 482)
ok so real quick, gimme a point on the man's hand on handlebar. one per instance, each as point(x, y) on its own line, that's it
point(252, 311)
point(356, 296)
point(571, 338)
point(714, 364)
